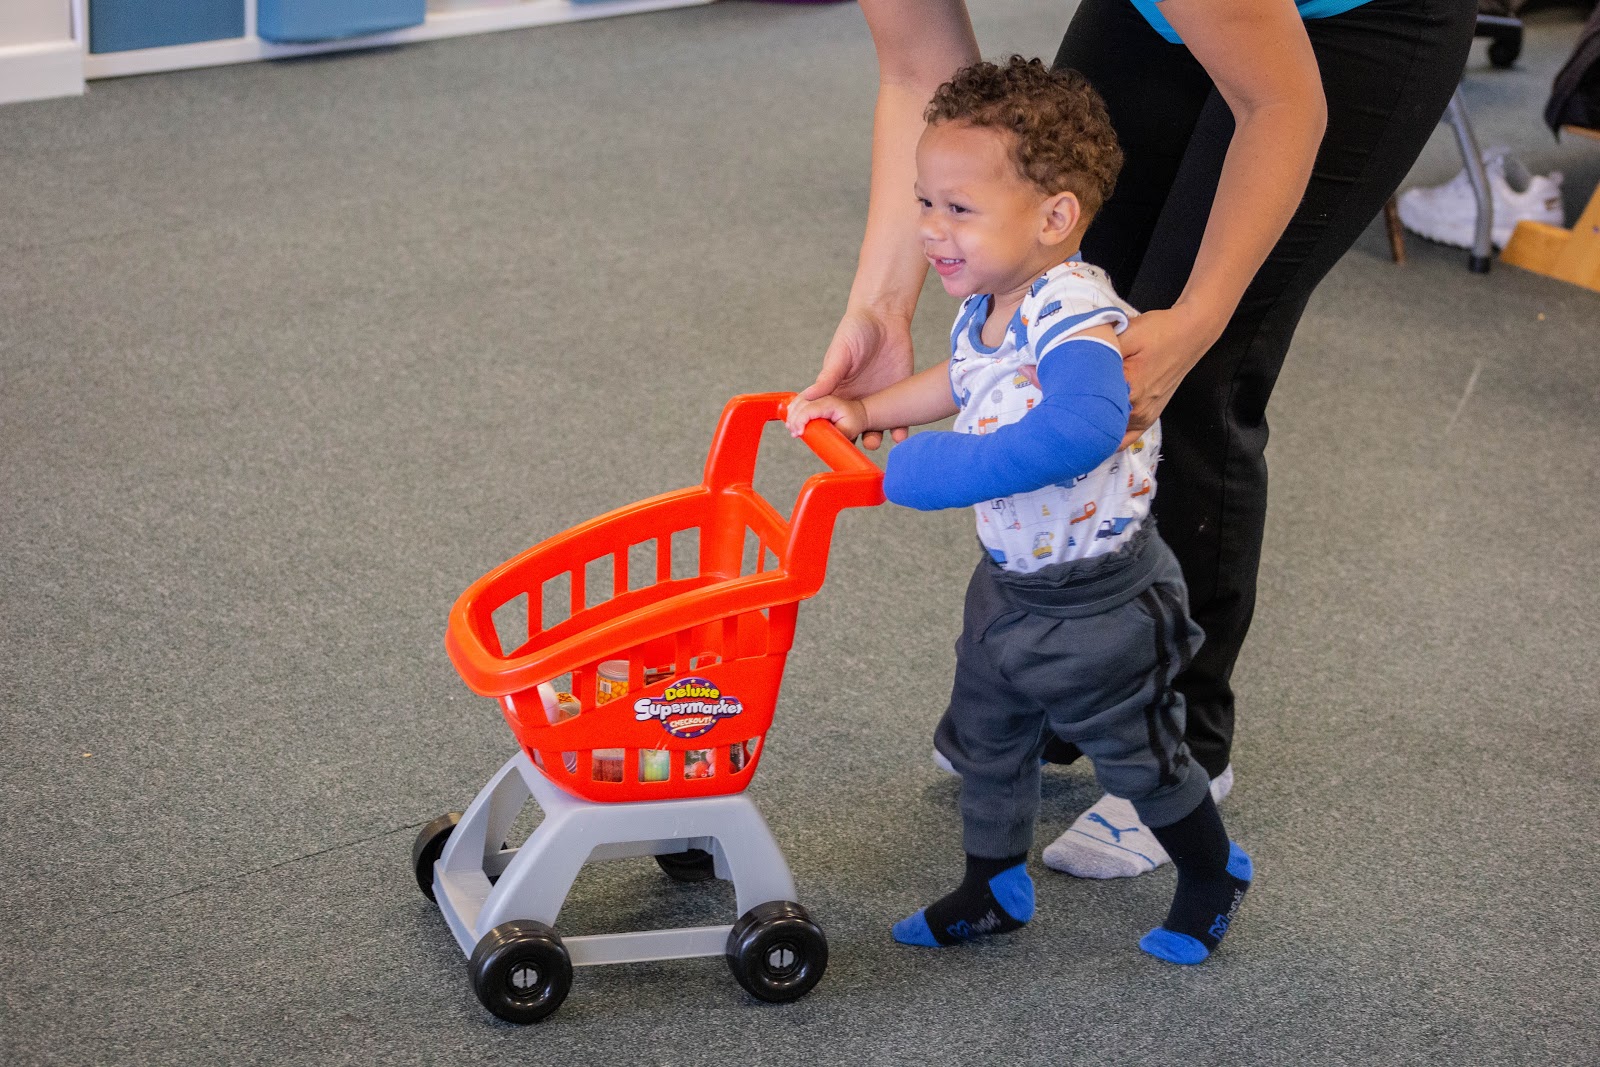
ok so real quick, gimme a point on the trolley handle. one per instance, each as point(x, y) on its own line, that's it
point(852, 480)
point(738, 439)
point(832, 446)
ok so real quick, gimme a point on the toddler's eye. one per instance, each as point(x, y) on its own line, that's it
point(957, 209)
point(925, 202)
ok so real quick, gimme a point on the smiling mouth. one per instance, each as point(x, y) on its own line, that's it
point(946, 267)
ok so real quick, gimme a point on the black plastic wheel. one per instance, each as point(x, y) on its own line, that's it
point(690, 865)
point(1503, 51)
point(429, 844)
point(776, 952)
point(521, 971)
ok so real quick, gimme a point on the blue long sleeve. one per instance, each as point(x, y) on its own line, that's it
point(1070, 432)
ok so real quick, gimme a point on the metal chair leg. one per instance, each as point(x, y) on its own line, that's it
point(1482, 245)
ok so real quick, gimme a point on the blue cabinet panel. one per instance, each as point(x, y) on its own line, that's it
point(290, 21)
point(119, 25)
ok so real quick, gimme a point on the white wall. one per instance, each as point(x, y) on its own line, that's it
point(41, 49)
point(35, 21)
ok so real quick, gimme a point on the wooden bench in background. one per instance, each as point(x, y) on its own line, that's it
point(1570, 255)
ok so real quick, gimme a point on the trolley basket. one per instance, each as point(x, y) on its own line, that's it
point(672, 685)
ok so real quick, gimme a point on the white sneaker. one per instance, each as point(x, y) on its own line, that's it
point(1109, 841)
point(1448, 213)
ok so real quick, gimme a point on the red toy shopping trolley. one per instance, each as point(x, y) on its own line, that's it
point(649, 749)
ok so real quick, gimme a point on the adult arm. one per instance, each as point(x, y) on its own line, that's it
point(919, 46)
point(1071, 431)
point(1261, 61)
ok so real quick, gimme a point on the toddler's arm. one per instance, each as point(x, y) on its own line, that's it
point(1073, 429)
point(922, 398)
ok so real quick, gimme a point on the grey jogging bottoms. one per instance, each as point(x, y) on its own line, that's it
point(1087, 649)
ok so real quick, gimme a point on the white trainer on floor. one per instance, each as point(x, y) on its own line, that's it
point(1109, 841)
point(1447, 213)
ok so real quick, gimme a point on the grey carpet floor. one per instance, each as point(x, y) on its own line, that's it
point(291, 353)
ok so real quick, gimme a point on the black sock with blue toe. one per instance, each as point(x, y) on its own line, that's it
point(1213, 875)
point(995, 897)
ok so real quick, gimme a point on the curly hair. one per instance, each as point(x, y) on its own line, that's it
point(1063, 141)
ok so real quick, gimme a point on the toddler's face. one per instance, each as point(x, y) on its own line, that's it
point(980, 219)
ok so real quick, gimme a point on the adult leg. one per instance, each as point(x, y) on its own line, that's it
point(1154, 91)
point(1388, 70)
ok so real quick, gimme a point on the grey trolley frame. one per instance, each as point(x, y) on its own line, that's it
point(483, 887)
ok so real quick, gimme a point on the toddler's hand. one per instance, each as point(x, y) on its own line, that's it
point(850, 416)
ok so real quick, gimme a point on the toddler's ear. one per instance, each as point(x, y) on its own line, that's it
point(1061, 214)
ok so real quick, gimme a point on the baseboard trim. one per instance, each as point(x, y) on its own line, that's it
point(451, 22)
point(40, 71)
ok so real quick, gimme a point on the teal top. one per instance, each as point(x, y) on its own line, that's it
point(1309, 9)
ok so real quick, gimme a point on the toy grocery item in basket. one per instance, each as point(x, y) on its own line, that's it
point(647, 747)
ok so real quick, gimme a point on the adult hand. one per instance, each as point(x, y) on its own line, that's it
point(871, 350)
point(1158, 349)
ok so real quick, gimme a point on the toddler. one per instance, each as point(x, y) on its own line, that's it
point(1076, 619)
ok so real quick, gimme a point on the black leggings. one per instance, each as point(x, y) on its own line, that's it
point(1388, 70)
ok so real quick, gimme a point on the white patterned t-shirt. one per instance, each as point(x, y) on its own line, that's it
point(1097, 512)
